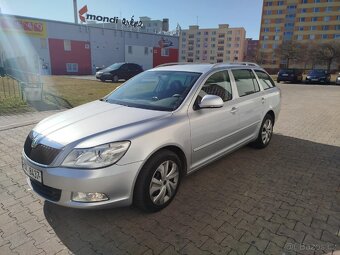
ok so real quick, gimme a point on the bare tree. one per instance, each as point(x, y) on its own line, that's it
point(290, 51)
point(327, 53)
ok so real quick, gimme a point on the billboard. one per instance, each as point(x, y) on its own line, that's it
point(28, 26)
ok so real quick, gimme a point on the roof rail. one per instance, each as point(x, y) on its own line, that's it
point(236, 63)
point(175, 63)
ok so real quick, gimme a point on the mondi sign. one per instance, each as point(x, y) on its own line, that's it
point(85, 16)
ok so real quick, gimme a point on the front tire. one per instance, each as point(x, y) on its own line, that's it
point(265, 133)
point(115, 78)
point(158, 181)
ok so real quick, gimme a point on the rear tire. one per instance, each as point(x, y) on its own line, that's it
point(265, 133)
point(158, 181)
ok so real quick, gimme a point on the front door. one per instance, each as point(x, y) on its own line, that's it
point(213, 130)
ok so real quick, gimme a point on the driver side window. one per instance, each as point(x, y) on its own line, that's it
point(218, 84)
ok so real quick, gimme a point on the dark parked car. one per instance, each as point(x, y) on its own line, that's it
point(318, 76)
point(119, 71)
point(292, 75)
point(337, 80)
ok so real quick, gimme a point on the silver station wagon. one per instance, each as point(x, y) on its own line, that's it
point(136, 144)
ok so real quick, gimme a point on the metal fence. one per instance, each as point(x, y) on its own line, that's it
point(10, 88)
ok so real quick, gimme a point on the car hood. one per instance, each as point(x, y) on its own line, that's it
point(91, 119)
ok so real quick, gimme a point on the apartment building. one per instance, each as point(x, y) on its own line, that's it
point(212, 45)
point(300, 20)
point(251, 50)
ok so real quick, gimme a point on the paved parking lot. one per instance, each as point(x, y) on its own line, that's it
point(284, 199)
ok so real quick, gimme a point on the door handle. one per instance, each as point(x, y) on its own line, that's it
point(233, 110)
point(263, 100)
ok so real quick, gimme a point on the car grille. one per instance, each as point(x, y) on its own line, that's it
point(46, 191)
point(41, 154)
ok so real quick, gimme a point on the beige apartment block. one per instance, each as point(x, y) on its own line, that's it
point(304, 21)
point(212, 45)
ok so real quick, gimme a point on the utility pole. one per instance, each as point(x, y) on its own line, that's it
point(75, 9)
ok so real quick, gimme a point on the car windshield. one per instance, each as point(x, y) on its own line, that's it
point(155, 90)
point(317, 72)
point(114, 66)
point(289, 71)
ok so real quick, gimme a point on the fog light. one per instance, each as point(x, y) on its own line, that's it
point(88, 197)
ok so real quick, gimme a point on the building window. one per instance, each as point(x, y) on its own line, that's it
point(304, 1)
point(328, 9)
point(279, 11)
point(312, 37)
point(229, 32)
point(264, 46)
point(329, 1)
point(314, 19)
point(206, 33)
point(300, 28)
point(324, 36)
point(146, 51)
point(130, 49)
point(291, 7)
point(265, 37)
point(213, 39)
point(337, 36)
point(327, 18)
point(267, 21)
point(266, 29)
point(278, 21)
point(280, 3)
point(72, 67)
point(299, 37)
point(268, 12)
point(325, 27)
point(338, 17)
point(303, 10)
point(276, 37)
point(316, 9)
point(67, 45)
point(268, 3)
point(302, 19)
point(337, 27)
point(313, 28)
point(165, 52)
point(277, 29)
point(316, 1)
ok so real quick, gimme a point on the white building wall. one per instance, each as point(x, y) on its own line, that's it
point(140, 55)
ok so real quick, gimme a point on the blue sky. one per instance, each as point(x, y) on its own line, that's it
point(237, 13)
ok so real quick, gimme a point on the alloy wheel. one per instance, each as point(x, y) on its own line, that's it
point(267, 130)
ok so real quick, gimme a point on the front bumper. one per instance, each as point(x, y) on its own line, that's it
point(116, 181)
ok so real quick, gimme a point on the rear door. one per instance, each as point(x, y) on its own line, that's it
point(250, 104)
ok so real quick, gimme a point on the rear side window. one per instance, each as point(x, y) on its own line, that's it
point(218, 84)
point(265, 80)
point(245, 82)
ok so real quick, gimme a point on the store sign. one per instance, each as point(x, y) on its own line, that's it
point(27, 26)
point(84, 16)
point(165, 43)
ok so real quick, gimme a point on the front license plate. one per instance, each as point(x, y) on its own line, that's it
point(314, 79)
point(32, 173)
point(284, 74)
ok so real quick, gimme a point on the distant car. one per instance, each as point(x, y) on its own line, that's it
point(337, 80)
point(318, 76)
point(119, 71)
point(291, 75)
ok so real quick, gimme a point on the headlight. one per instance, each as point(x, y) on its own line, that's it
point(96, 157)
point(308, 77)
point(338, 78)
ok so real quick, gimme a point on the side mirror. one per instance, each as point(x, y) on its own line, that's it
point(211, 101)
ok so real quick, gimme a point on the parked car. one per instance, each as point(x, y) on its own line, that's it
point(119, 71)
point(318, 76)
point(291, 75)
point(135, 145)
point(337, 80)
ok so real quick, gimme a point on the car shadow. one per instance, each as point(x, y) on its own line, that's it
point(290, 181)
